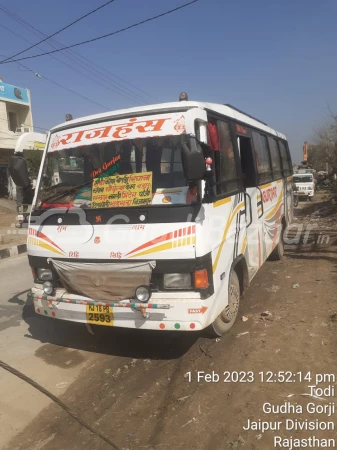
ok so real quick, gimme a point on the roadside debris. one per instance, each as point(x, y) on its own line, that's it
point(181, 399)
point(62, 384)
point(204, 351)
point(304, 395)
point(244, 318)
point(266, 315)
point(296, 285)
point(192, 420)
point(241, 334)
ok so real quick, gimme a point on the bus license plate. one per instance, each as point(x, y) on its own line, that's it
point(99, 315)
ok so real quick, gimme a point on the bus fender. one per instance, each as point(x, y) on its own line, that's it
point(240, 266)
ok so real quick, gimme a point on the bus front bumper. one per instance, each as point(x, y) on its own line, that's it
point(164, 311)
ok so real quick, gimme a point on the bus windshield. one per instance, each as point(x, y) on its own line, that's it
point(116, 174)
point(303, 179)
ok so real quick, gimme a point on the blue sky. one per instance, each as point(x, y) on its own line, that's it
point(274, 60)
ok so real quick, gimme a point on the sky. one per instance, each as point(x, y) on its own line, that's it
point(276, 60)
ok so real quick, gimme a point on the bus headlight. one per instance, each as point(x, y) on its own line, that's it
point(44, 274)
point(177, 281)
point(143, 294)
point(48, 288)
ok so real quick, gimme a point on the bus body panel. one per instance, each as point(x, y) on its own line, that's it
point(269, 223)
point(113, 242)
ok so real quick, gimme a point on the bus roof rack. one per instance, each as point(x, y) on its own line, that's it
point(242, 112)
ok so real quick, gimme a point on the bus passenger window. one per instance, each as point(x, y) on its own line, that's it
point(225, 163)
point(262, 158)
point(275, 159)
point(286, 164)
point(247, 162)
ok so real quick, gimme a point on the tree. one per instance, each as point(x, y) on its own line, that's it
point(317, 157)
point(33, 158)
point(324, 148)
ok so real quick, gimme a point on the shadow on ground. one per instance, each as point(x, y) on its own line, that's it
point(111, 341)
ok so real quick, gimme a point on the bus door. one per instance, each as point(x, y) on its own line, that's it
point(253, 199)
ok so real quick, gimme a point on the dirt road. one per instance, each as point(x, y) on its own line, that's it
point(137, 388)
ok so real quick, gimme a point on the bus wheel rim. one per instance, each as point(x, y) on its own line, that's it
point(231, 310)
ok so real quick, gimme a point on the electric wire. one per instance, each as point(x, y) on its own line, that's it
point(133, 99)
point(64, 87)
point(103, 36)
point(83, 61)
point(59, 31)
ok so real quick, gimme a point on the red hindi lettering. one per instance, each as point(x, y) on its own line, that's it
point(101, 132)
point(66, 138)
point(123, 130)
point(155, 125)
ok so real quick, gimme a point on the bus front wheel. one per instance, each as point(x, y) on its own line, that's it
point(227, 317)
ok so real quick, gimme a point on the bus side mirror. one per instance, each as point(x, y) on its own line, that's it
point(18, 171)
point(192, 158)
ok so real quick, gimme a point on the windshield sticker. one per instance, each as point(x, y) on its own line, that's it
point(170, 196)
point(133, 189)
point(108, 168)
point(133, 128)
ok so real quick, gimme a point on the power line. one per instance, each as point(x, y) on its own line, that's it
point(105, 35)
point(134, 98)
point(62, 29)
point(71, 54)
point(76, 93)
point(64, 87)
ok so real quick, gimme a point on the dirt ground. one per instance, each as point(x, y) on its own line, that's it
point(137, 391)
point(9, 234)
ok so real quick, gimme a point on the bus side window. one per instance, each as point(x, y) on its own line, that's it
point(248, 168)
point(262, 158)
point(225, 164)
point(275, 158)
point(286, 162)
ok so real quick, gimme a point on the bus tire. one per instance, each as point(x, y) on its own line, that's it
point(278, 252)
point(227, 317)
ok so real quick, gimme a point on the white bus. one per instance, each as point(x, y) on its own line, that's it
point(157, 217)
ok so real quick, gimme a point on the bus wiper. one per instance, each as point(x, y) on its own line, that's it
point(62, 194)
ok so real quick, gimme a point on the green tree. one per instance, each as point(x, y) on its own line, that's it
point(33, 158)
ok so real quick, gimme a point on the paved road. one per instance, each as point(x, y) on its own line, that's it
point(23, 337)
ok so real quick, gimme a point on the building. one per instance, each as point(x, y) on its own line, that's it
point(15, 118)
